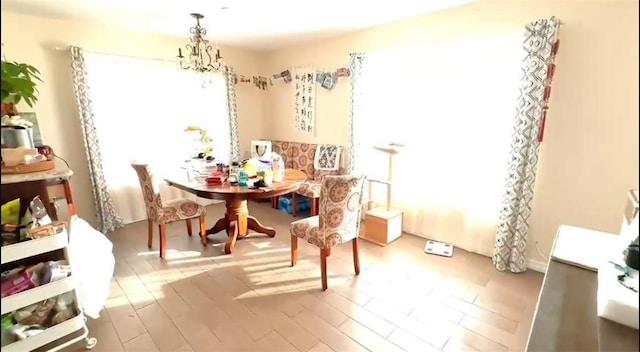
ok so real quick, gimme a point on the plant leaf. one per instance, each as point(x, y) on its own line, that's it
point(19, 82)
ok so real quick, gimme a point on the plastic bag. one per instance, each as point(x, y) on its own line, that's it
point(91, 259)
point(11, 212)
point(41, 315)
point(64, 308)
point(39, 213)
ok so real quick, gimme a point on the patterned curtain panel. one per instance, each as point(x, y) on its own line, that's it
point(233, 114)
point(108, 219)
point(356, 118)
point(540, 45)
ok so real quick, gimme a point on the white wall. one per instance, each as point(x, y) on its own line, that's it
point(589, 157)
point(34, 40)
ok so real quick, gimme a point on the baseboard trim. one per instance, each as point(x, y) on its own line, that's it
point(537, 265)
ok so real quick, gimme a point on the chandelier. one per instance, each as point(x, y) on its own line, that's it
point(199, 51)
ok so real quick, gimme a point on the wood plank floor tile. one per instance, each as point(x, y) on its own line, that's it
point(409, 342)
point(324, 311)
point(326, 333)
point(436, 335)
point(272, 341)
point(464, 337)
point(142, 343)
point(295, 334)
point(200, 299)
point(161, 328)
point(125, 319)
point(367, 338)
point(196, 332)
point(233, 336)
point(321, 347)
point(357, 313)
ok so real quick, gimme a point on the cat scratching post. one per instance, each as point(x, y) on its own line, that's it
point(383, 225)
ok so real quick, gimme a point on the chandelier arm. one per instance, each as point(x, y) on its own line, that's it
point(207, 51)
point(200, 51)
point(190, 49)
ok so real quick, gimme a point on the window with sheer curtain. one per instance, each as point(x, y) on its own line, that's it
point(141, 108)
point(452, 103)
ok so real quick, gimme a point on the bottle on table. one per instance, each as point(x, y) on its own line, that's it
point(268, 177)
point(278, 168)
point(233, 173)
point(243, 178)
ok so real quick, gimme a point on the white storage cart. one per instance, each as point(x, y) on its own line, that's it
point(53, 247)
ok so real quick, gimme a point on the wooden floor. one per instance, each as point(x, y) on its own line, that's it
point(252, 300)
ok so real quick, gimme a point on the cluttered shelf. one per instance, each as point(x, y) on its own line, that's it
point(49, 185)
point(42, 301)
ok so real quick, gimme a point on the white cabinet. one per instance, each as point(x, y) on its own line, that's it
point(53, 247)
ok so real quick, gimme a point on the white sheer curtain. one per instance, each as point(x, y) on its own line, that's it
point(452, 103)
point(141, 108)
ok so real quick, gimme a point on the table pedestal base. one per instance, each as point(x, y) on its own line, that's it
point(237, 222)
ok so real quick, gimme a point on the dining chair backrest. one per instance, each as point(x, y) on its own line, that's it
point(150, 189)
point(340, 207)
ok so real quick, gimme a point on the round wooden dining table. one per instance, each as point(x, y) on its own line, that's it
point(237, 221)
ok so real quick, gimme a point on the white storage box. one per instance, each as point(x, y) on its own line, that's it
point(615, 301)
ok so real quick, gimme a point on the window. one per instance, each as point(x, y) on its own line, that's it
point(453, 104)
point(141, 108)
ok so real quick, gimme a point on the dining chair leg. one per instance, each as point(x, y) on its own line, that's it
point(203, 229)
point(149, 233)
point(294, 204)
point(294, 250)
point(189, 229)
point(356, 256)
point(324, 253)
point(163, 240)
point(314, 206)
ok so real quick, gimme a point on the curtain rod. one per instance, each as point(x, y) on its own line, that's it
point(58, 48)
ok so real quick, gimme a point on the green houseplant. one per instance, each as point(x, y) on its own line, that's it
point(19, 81)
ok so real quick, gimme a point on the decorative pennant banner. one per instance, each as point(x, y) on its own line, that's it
point(326, 79)
point(343, 72)
point(285, 75)
point(259, 82)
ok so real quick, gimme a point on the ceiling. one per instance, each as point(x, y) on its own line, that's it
point(256, 24)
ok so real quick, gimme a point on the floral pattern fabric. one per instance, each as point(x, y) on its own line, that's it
point(339, 218)
point(357, 117)
point(300, 156)
point(108, 218)
point(282, 149)
point(310, 189)
point(157, 210)
point(233, 113)
point(513, 225)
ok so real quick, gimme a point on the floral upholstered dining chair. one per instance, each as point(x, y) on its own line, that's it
point(165, 212)
point(338, 220)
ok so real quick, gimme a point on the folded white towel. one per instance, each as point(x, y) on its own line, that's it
point(327, 157)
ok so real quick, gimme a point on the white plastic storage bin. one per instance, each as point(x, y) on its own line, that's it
point(26, 249)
